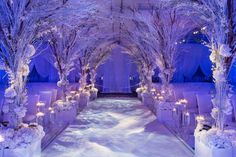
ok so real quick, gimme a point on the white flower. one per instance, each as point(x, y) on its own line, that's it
point(22, 137)
point(94, 89)
point(227, 107)
point(20, 111)
point(139, 90)
point(62, 83)
point(224, 50)
point(219, 76)
point(25, 70)
point(61, 105)
point(5, 108)
point(212, 57)
point(30, 51)
point(10, 92)
point(213, 139)
point(215, 113)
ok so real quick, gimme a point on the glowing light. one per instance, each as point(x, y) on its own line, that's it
point(40, 114)
point(187, 114)
point(204, 28)
point(73, 92)
point(200, 118)
point(161, 98)
point(178, 103)
point(60, 102)
point(40, 104)
point(2, 139)
point(153, 90)
point(50, 109)
point(181, 102)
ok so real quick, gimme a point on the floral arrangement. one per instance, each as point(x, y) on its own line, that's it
point(94, 90)
point(84, 94)
point(141, 89)
point(213, 139)
point(19, 33)
point(64, 105)
point(221, 101)
point(22, 137)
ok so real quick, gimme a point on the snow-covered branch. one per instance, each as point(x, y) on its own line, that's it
point(20, 24)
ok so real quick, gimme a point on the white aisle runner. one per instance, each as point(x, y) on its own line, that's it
point(116, 127)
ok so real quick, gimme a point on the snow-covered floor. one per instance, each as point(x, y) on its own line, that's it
point(116, 127)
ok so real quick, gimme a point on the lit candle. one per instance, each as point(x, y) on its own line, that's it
point(163, 92)
point(40, 114)
point(161, 98)
point(73, 92)
point(200, 119)
point(178, 103)
point(183, 101)
point(187, 118)
point(153, 90)
point(2, 139)
point(40, 104)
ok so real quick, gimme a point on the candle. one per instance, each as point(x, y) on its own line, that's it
point(187, 118)
point(161, 98)
point(200, 119)
point(40, 114)
point(2, 139)
point(40, 104)
point(153, 90)
point(183, 101)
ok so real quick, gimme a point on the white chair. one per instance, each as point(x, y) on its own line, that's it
point(191, 106)
point(192, 100)
point(233, 100)
point(204, 104)
point(46, 97)
point(54, 96)
point(59, 94)
point(178, 94)
point(31, 108)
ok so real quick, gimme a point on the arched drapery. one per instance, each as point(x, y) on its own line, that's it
point(116, 73)
point(192, 57)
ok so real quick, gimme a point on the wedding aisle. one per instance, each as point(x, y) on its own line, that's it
point(116, 127)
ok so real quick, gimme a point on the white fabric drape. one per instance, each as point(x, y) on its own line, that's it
point(116, 73)
point(195, 56)
point(120, 67)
